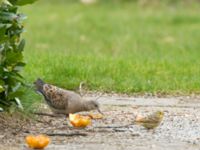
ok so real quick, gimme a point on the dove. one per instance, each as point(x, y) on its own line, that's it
point(151, 121)
point(62, 101)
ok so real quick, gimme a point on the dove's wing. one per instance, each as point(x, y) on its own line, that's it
point(55, 97)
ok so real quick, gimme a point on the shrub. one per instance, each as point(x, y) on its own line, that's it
point(11, 52)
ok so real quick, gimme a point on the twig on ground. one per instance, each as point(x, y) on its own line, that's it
point(110, 129)
point(45, 114)
point(66, 134)
point(118, 130)
point(40, 121)
point(123, 126)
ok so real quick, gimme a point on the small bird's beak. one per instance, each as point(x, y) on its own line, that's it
point(99, 111)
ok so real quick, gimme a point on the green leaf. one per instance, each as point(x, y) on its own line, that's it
point(2, 30)
point(13, 57)
point(1, 88)
point(21, 2)
point(21, 45)
point(3, 36)
point(5, 103)
point(1, 109)
point(18, 85)
point(18, 67)
point(1, 72)
point(7, 16)
point(3, 39)
point(18, 102)
point(6, 25)
point(13, 2)
point(19, 75)
point(2, 82)
point(13, 9)
point(21, 17)
point(15, 94)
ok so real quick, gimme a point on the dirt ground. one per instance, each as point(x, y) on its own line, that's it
point(180, 128)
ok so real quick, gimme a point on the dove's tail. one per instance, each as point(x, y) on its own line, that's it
point(39, 85)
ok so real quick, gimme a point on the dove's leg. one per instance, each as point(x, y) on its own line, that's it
point(66, 108)
point(67, 111)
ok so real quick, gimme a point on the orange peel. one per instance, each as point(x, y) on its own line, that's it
point(79, 121)
point(37, 142)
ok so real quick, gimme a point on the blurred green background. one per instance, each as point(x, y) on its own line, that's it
point(125, 46)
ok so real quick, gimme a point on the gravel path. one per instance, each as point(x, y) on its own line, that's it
point(180, 128)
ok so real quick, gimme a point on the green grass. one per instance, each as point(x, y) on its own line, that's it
point(119, 47)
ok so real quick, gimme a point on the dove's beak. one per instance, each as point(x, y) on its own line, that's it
point(99, 111)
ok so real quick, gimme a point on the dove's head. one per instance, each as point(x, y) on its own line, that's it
point(39, 85)
point(93, 105)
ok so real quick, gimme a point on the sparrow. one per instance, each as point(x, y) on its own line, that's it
point(151, 121)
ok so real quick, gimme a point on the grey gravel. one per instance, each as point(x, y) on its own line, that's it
point(179, 130)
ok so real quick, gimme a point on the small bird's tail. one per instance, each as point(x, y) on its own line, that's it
point(39, 85)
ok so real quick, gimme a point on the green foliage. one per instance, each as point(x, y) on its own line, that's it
point(21, 2)
point(11, 48)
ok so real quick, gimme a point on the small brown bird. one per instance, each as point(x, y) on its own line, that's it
point(63, 101)
point(151, 121)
